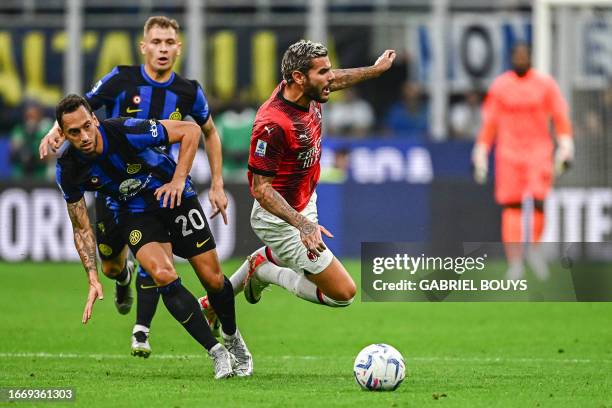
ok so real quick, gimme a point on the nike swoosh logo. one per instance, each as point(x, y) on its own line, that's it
point(199, 244)
point(130, 110)
point(147, 286)
point(187, 319)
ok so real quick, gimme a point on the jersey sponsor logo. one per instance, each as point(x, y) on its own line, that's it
point(136, 99)
point(310, 156)
point(135, 237)
point(176, 115)
point(260, 149)
point(200, 244)
point(153, 129)
point(129, 187)
point(133, 168)
point(130, 110)
point(105, 249)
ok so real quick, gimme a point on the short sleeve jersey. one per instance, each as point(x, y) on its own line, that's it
point(130, 168)
point(129, 91)
point(286, 145)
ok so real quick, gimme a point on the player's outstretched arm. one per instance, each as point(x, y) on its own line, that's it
point(345, 78)
point(273, 202)
point(216, 194)
point(85, 243)
point(188, 135)
point(51, 141)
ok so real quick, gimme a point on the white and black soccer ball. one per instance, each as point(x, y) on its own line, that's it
point(379, 367)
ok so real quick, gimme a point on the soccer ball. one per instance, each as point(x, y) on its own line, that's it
point(379, 367)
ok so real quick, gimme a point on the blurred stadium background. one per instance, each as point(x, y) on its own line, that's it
point(396, 153)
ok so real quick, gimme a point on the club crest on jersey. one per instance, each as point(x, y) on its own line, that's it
point(136, 99)
point(105, 249)
point(176, 115)
point(312, 256)
point(260, 149)
point(133, 168)
point(135, 237)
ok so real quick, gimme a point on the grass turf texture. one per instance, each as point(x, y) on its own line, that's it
point(457, 354)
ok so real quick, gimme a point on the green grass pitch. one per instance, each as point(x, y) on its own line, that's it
point(457, 354)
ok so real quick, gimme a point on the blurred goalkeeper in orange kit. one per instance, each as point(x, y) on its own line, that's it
point(516, 118)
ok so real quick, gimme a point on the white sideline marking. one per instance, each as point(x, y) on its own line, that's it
point(203, 355)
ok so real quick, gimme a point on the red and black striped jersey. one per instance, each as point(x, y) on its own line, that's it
point(286, 145)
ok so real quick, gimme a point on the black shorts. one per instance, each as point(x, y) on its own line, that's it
point(109, 236)
point(185, 227)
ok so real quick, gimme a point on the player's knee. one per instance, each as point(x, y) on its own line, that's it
point(215, 282)
point(164, 275)
point(344, 296)
point(111, 269)
point(348, 292)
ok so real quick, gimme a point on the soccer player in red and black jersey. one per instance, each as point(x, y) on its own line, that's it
point(283, 173)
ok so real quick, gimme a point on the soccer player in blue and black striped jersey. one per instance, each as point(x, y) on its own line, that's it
point(149, 91)
point(157, 212)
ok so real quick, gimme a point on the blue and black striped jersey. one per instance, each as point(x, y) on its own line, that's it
point(129, 91)
point(130, 168)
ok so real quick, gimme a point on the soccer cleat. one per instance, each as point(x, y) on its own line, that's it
point(253, 286)
point(123, 293)
point(237, 347)
point(210, 316)
point(140, 342)
point(536, 259)
point(224, 361)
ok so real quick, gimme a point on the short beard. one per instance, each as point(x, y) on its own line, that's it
point(313, 93)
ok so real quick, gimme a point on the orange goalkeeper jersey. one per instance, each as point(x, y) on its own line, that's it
point(517, 113)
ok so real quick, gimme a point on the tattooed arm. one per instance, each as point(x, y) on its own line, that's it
point(85, 243)
point(345, 78)
point(273, 202)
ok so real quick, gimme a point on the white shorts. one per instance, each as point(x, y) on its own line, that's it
point(284, 239)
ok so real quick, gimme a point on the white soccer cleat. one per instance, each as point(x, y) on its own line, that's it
point(140, 342)
point(211, 317)
point(253, 286)
point(123, 293)
point(244, 360)
point(223, 360)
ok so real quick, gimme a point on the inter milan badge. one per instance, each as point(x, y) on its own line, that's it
point(133, 168)
point(136, 99)
point(260, 149)
point(135, 237)
point(105, 249)
point(176, 115)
